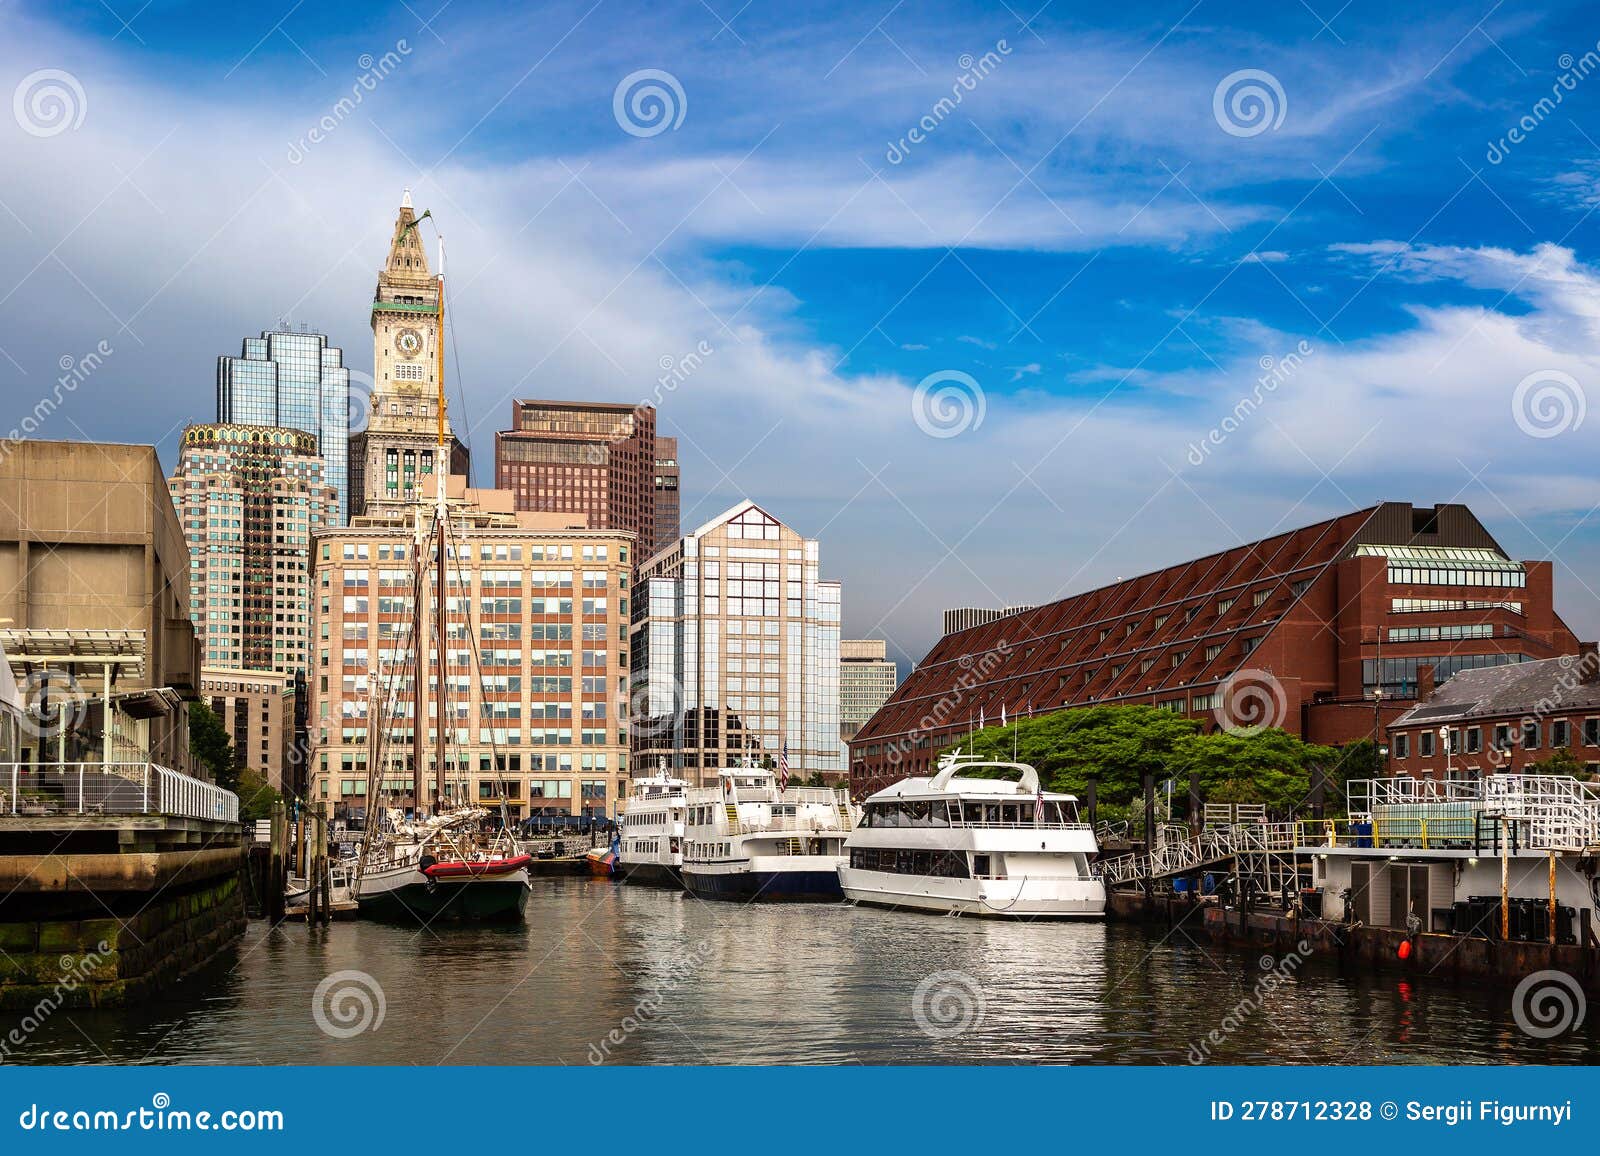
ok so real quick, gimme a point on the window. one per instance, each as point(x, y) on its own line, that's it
point(1530, 734)
point(1225, 605)
point(1425, 744)
point(1502, 737)
point(1591, 732)
point(1561, 733)
point(1474, 740)
point(1402, 746)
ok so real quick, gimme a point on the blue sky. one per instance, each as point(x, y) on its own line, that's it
point(1123, 218)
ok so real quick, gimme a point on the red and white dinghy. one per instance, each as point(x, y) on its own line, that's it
point(477, 868)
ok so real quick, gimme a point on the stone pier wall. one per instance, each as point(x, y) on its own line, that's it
point(108, 961)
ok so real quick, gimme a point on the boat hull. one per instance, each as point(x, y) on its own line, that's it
point(782, 885)
point(650, 874)
point(988, 898)
point(499, 899)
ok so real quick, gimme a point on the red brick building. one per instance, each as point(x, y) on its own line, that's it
point(1501, 720)
point(1299, 630)
point(593, 458)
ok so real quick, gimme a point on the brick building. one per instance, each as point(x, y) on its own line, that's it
point(535, 665)
point(592, 458)
point(1299, 630)
point(1501, 720)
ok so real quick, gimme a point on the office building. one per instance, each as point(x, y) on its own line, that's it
point(668, 504)
point(736, 651)
point(866, 680)
point(298, 381)
point(535, 664)
point(1300, 630)
point(592, 458)
point(257, 709)
point(250, 498)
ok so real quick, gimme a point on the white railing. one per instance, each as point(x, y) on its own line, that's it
point(1554, 812)
point(111, 789)
point(788, 824)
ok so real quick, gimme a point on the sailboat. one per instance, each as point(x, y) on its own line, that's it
point(457, 863)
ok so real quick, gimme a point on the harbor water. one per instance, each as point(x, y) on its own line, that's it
point(636, 975)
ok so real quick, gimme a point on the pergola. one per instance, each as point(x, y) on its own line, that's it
point(113, 653)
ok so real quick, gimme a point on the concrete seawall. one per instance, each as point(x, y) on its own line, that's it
point(101, 911)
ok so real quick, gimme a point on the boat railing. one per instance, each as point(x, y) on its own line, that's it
point(979, 824)
point(789, 825)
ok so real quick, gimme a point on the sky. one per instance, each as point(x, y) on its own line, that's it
point(1001, 302)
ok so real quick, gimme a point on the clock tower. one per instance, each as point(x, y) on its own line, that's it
point(396, 451)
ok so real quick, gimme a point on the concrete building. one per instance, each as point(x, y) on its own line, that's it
point(668, 503)
point(866, 680)
point(94, 601)
point(535, 665)
point(597, 459)
point(257, 708)
point(294, 380)
point(736, 650)
point(250, 499)
point(391, 458)
point(1501, 719)
point(966, 617)
point(1301, 630)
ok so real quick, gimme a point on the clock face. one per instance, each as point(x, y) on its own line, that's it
point(409, 343)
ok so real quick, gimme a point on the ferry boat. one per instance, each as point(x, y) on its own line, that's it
point(651, 819)
point(748, 839)
point(994, 847)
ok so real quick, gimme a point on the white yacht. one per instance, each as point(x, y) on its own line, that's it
point(651, 836)
point(975, 846)
point(746, 839)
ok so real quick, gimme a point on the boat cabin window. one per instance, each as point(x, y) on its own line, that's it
point(980, 865)
point(946, 864)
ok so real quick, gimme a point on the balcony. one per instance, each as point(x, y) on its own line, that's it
point(98, 788)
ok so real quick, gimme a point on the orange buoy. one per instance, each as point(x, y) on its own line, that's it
point(1404, 950)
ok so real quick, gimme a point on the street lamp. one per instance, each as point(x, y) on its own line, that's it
point(1444, 738)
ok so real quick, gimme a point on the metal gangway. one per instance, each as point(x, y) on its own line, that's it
point(1212, 847)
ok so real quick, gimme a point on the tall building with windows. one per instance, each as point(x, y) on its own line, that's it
point(591, 458)
point(397, 430)
point(667, 500)
point(297, 381)
point(866, 680)
point(535, 664)
point(1325, 631)
point(257, 709)
point(736, 650)
point(250, 498)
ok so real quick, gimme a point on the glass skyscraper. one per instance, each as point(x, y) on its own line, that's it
point(298, 381)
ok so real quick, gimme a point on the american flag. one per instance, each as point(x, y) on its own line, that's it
point(783, 768)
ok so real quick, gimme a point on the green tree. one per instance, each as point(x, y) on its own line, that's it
point(1560, 761)
point(210, 742)
point(1119, 745)
point(256, 796)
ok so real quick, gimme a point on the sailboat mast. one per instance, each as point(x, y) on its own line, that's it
point(419, 642)
point(440, 468)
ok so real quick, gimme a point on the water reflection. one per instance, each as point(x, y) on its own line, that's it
point(643, 976)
